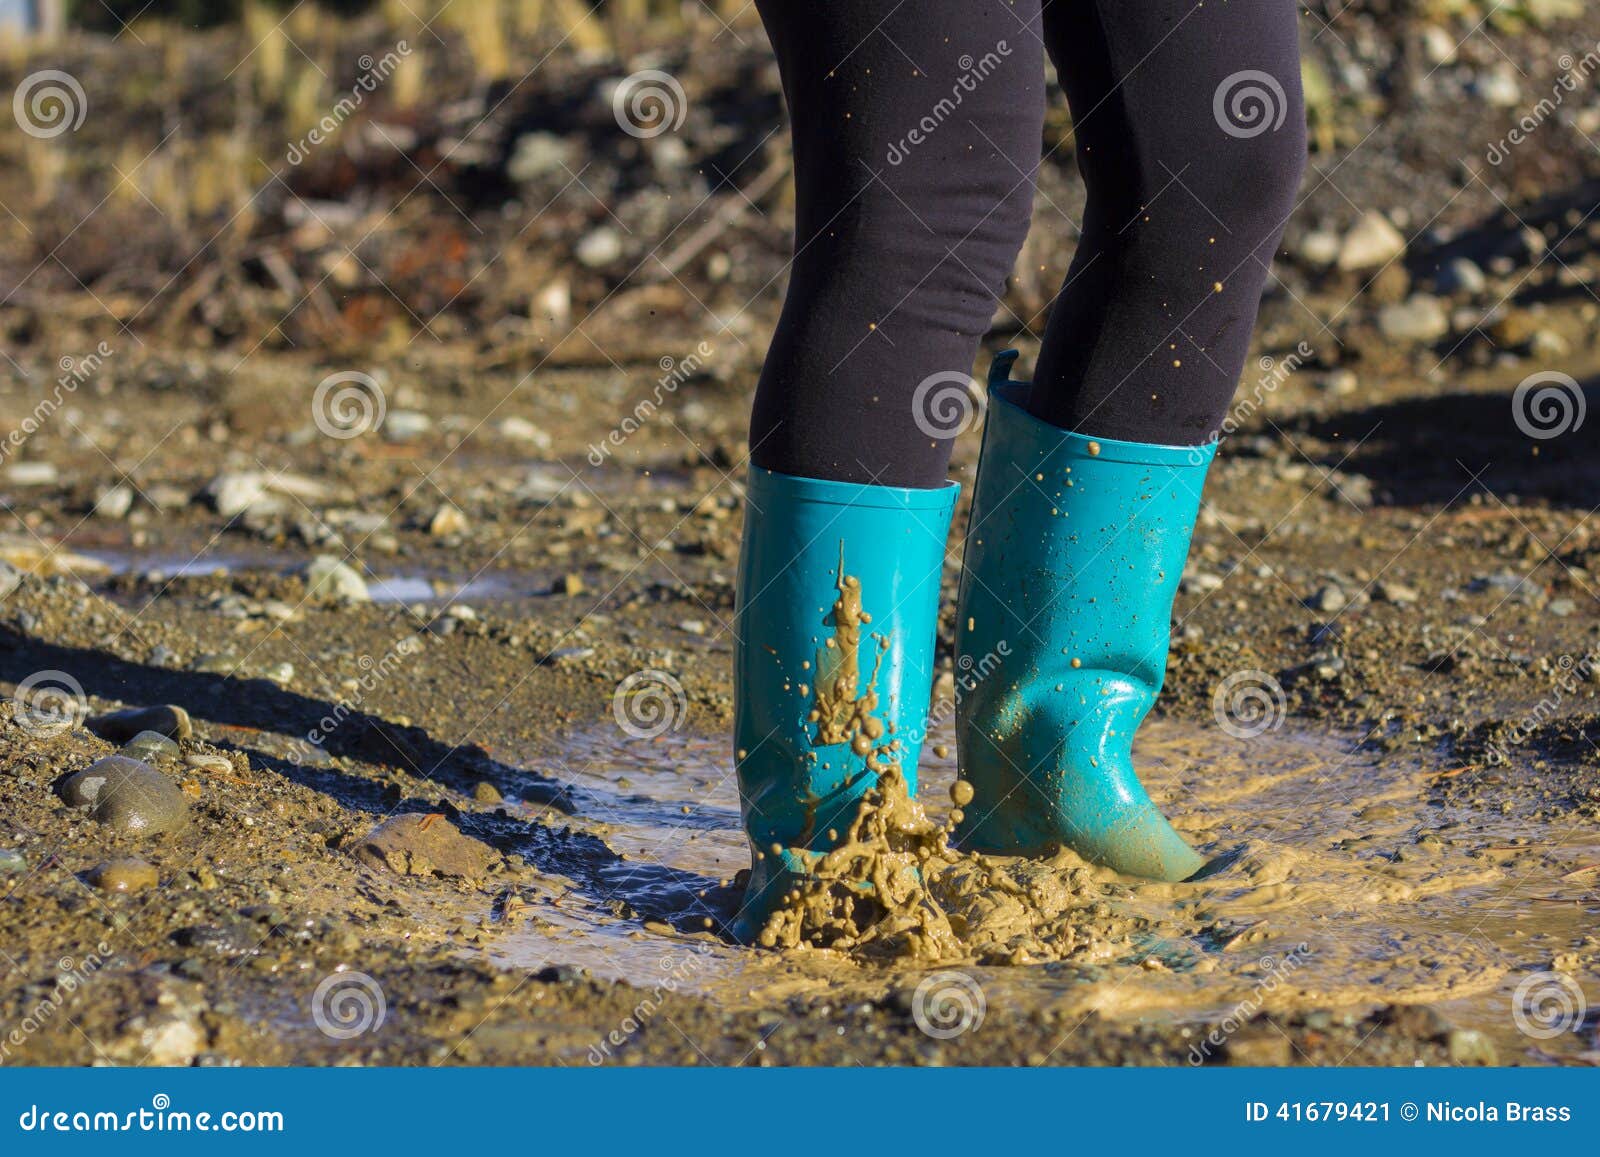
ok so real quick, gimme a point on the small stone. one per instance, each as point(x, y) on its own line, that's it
point(120, 726)
point(280, 673)
point(1462, 275)
point(600, 248)
point(572, 585)
point(1468, 1046)
point(1372, 242)
point(517, 429)
point(1561, 608)
point(537, 155)
point(124, 875)
point(12, 862)
point(1339, 383)
point(127, 796)
point(692, 626)
point(113, 502)
point(424, 845)
point(233, 493)
point(1389, 591)
point(1328, 599)
point(1498, 87)
point(570, 654)
point(1256, 1048)
point(406, 425)
point(328, 576)
point(209, 761)
point(447, 520)
point(1419, 319)
point(486, 792)
point(150, 745)
point(31, 474)
point(1318, 248)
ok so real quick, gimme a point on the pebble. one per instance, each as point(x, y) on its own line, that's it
point(208, 761)
point(486, 792)
point(413, 844)
point(406, 425)
point(233, 493)
point(1468, 1046)
point(12, 862)
point(570, 654)
point(1462, 275)
point(114, 502)
point(150, 745)
point(1421, 318)
point(1370, 243)
point(1329, 598)
point(31, 474)
point(1388, 591)
point(332, 577)
point(1319, 248)
point(447, 520)
point(124, 875)
point(120, 726)
point(516, 429)
point(600, 248)
point(127, 796)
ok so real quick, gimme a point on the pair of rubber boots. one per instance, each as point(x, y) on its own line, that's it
point(1074, 552)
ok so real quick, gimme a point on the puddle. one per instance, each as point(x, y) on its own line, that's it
point(402, 587)
point(1336, 884)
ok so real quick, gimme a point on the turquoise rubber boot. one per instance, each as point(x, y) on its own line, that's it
point(1074, 553)
point(838, 601)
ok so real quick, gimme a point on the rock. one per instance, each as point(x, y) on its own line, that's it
point(406, 425)
point(1468, 1046)
point(1328, 599)
point(1391, 284)
point(113, 502)
point(328, 576)
point(1562, 608)
point(515, 429)
point(124, 875)
point(120, 726)
point(150, 745)
point(570, 654)
point(31, 474)
point(600, 248)
point(1462, 276)
point(447, 520)
point(572, 585)
point(1318, 248)
point(168, 1028)
point(1498, 87)
point(12, 862)
point(209, 761)
point(127, 796)
point(1370, 243)
point(486, 792)
point(425, 845)
point(1421, 319)
point(1388, 591)
point(232, 493)
point(537, 155)
point(1438, 44)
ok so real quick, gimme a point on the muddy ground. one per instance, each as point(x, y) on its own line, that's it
point(415, 812)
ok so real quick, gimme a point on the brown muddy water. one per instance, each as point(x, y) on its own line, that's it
point(1340, 880)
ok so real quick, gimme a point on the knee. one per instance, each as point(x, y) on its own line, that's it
point(1254, 171)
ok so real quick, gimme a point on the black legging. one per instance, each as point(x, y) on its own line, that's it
point(917, 131)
